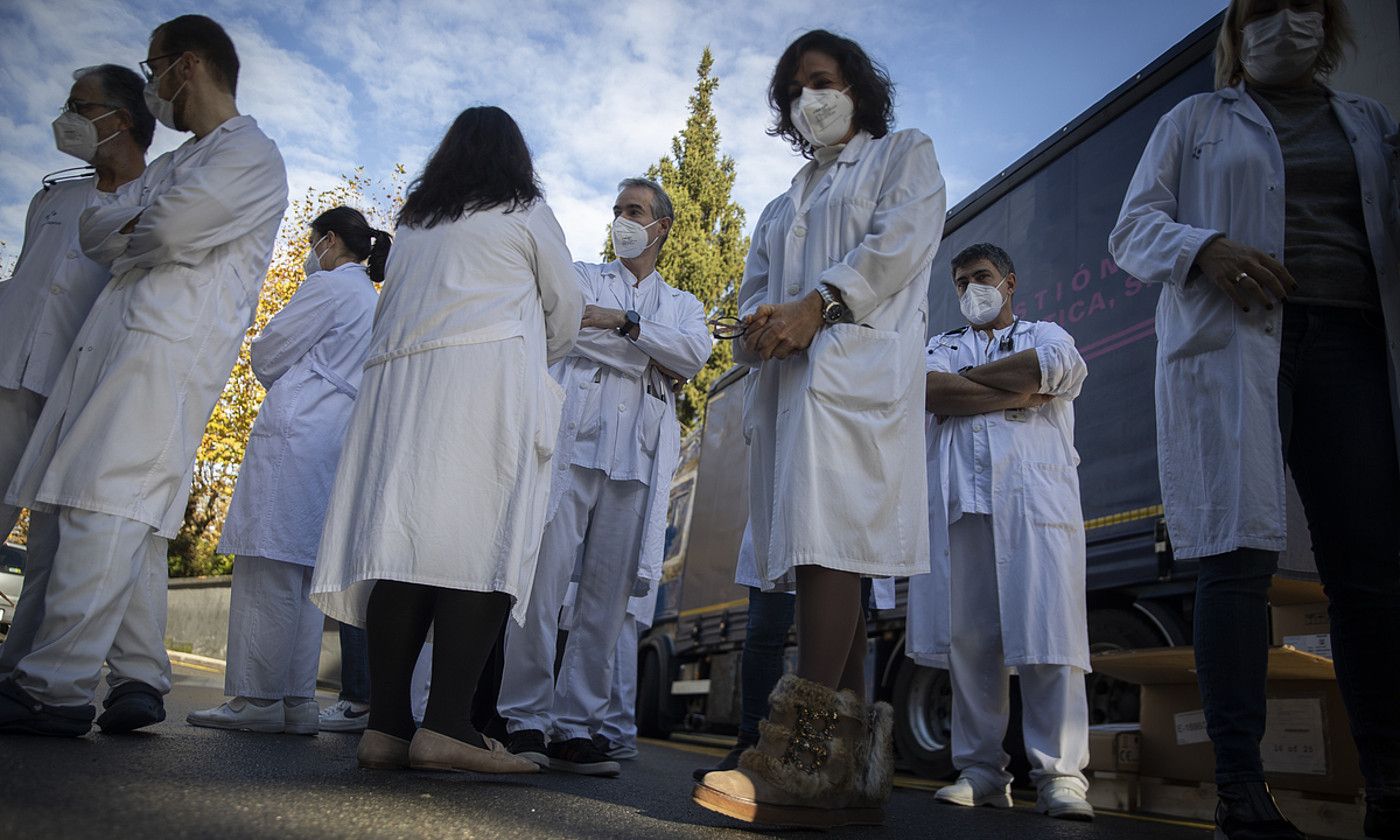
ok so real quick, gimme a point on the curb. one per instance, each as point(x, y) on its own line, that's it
point(194, 659)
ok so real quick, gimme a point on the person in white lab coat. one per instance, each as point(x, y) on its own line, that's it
point(112, 450)
point(834, 302)
point(1268, 212)
point(439, 500)
point(1007, 539)
point(310, 357)
point(619, 443)
point(105, 123)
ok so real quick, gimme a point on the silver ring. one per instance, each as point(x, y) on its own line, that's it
point(1241, 277)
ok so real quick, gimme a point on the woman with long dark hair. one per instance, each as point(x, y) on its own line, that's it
point(834, 298)
point(439, 501)
point(309, 357)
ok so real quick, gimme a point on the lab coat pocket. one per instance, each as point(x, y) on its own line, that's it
point(856, 215)
point(1193, 319)
point(858, 367)
point(549, 414)
point(1051, 494)
point(649, 429)
point(168, 302)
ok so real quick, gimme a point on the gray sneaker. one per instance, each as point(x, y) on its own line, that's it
point(345, 716)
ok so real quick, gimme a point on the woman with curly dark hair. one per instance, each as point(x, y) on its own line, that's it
point(833, 304)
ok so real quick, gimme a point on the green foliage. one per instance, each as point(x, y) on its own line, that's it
point(226, 437)
point(704, 254)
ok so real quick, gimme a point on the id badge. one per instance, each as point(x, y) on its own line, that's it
point(1017, 415)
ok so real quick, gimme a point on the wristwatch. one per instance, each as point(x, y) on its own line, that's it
point(634, 319)
point(834, 311)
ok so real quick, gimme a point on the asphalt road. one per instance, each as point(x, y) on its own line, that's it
point(179, 781)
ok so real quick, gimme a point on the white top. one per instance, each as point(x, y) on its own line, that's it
point(619, 411)
point(310, 357)
point(53, 287)
point(1213, 166)
point(619, 424)
point(128, 409)
point(836, 474)
point(1020, 464)
point(445, 473)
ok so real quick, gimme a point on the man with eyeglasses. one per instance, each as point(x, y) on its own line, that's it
point(618, 445)
point(105, 124)
point(111, 453)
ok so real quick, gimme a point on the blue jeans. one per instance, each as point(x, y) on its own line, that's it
point(770, 619)
point(1339, 443)
point(354, 664)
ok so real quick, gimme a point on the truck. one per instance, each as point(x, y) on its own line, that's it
point(1052, 210)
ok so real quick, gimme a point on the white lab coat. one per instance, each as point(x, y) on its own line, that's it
point(310, 357)
point(53, 287)
point(1037, 521)
point(836, 474)
point(129, 407)
point(1213, 165)
point(444, 476)
point(674, 335)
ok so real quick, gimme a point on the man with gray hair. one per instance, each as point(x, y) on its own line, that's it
point(617, 447)
point(106, 125)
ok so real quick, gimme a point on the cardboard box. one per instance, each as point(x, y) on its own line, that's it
point(1298, 616)
point(1317, 815)
point(1115, 747)
point(1110, 791)
point(1307, 746)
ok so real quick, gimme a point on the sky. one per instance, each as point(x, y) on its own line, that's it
point(599, 88)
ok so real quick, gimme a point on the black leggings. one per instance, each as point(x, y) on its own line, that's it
point(465, 628)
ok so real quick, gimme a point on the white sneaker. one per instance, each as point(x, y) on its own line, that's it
point(1064, 800)
point(301, 718)
point(969, 794)
point(238, 713)
point(345, 716)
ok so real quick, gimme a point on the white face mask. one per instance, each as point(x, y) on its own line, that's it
point(1281, 47)
point(312, 264)
point(76, 135)
point(163, 109)
point(822, 117)
point(629, 239)
point(981, 304)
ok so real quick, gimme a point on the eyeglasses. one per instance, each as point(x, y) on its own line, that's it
point(77, 105)
point(727, 327)
point(149, 71)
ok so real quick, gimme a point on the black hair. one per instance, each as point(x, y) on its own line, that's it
point(201, 35)
point(871, 88)
point(984, 251)
point(123, 88)
point(481, 163)
point(363, 241)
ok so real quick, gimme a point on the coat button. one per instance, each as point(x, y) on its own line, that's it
point(622, 407)
point(571, 425)
point(799, 231)
point(976, 427)
point(55, 289)
point(72, 255)
point(792, 290)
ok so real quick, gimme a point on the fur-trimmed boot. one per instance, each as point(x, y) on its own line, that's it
point(875, 758)
point(809, 768)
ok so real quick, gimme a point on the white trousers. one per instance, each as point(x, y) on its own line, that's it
point(19, 411)
point(1054, 709)
point(29, 612)
point(598, 524)
point(620, 719)
point(421, 683)
point(105, 599)
point(274, 631)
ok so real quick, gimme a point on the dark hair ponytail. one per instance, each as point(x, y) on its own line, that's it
point(363, 241)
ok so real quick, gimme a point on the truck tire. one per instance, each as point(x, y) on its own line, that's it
point(923, 716)
point(1110, 700)
point(650, 702)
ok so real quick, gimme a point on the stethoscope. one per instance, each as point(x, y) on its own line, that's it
point(73, 173)
point(1007, 341)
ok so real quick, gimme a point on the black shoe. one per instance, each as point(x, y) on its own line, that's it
point(529, 743)
point(19, 712)
point(1247, 811)
point(582, 756)
point(131, 706)
point(1383, 819)
point(729, 762)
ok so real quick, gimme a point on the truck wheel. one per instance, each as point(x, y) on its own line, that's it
point(923, 719)
point(1110, 700)
point(649, 699)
